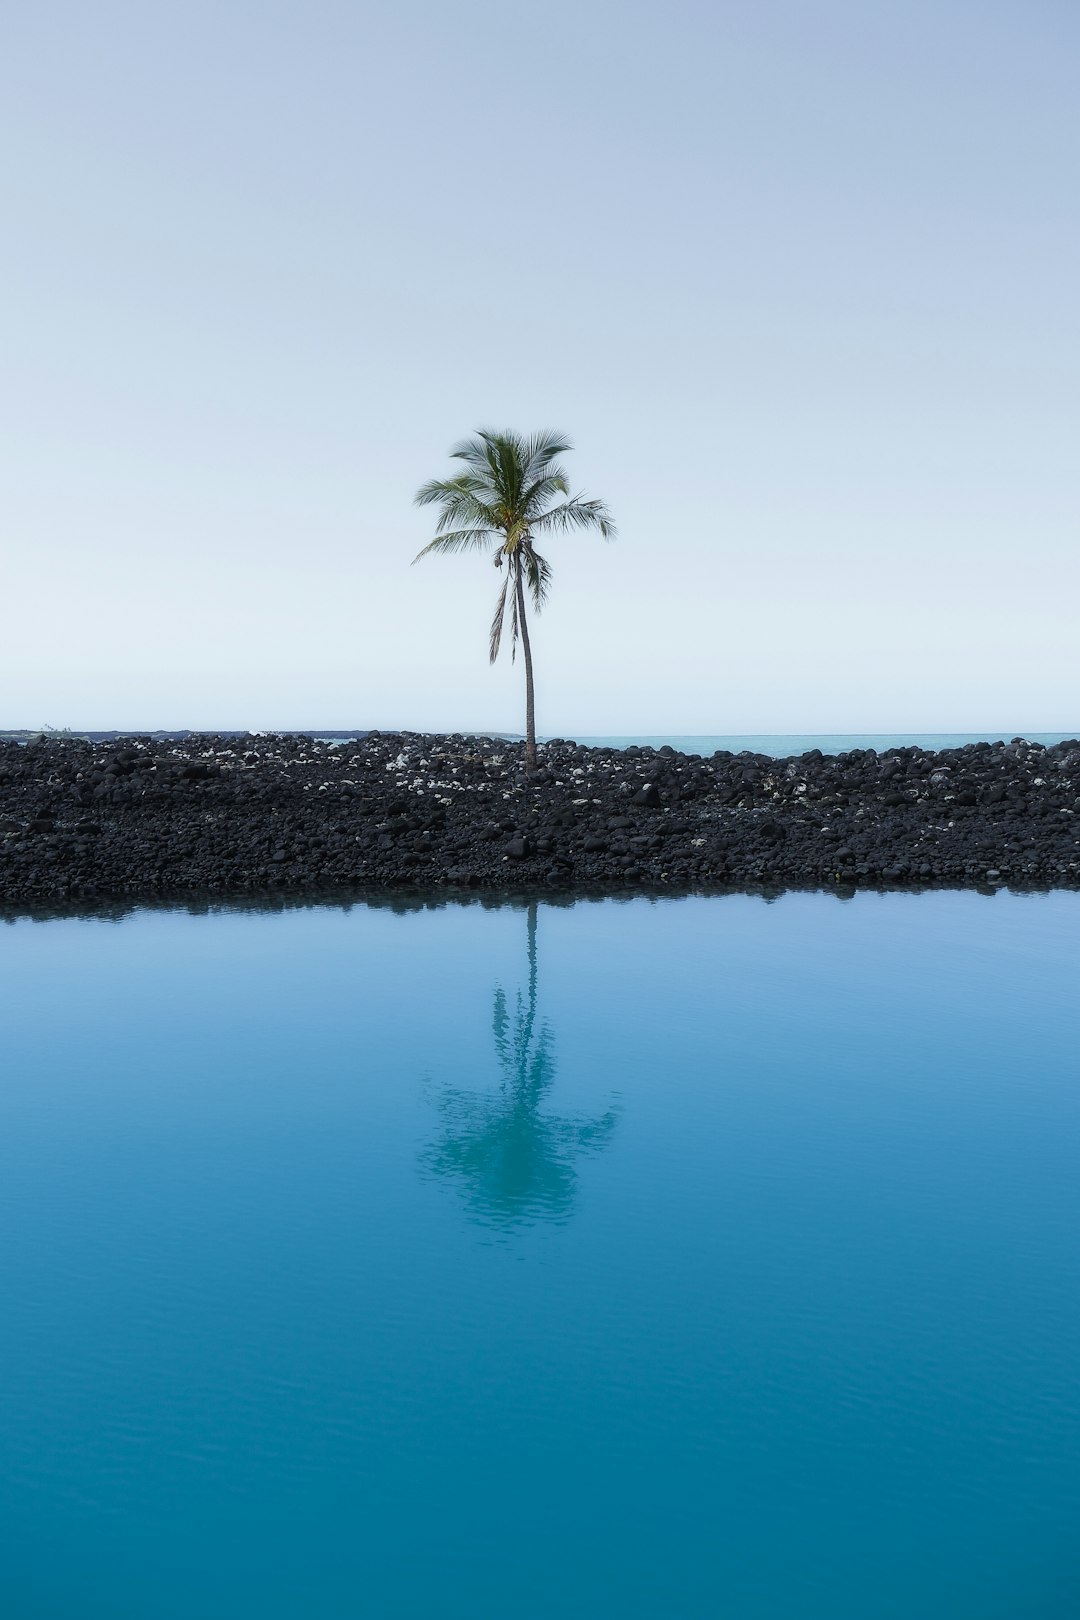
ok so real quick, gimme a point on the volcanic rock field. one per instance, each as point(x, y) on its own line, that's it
point(219, 816)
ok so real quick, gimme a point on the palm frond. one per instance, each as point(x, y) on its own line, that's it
point(538, 574)
point(506, 451)
point(476, 452)
point(577, 514)
point(436, 490)
point(466, 483)
point(495, 636)
point(514, 629)
point(462, 501)
point(466, 512)
point(539, 451)
point(458, 540)
point(536, 494)
point(494, 460)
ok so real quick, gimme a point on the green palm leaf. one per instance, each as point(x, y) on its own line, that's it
point(577, 514)
point(458, 540)
point(495, 636)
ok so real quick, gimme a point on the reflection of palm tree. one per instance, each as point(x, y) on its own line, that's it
point(514, 1162)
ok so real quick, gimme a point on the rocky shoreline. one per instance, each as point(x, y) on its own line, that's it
point(218, 816)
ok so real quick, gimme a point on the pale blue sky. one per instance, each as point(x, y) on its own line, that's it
point(800, 280)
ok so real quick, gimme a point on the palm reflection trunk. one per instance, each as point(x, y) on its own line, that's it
point(511, 1158)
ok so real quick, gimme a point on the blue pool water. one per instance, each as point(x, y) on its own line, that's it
point(708, 1257)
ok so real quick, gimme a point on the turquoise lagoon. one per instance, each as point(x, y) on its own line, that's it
point(705, 1257)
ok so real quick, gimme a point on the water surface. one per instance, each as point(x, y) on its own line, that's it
point(784, 745)
point(685, 1258)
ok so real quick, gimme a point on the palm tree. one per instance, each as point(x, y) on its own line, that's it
point(504, 499)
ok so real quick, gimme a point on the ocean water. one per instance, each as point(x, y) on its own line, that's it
point(694, 1258)
point(782, 746)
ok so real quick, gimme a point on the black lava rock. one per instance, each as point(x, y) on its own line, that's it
point(121, 819)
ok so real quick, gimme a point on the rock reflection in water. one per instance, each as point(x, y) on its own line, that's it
point(513, 1160)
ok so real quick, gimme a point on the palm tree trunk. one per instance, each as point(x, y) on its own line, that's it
point(530, 697)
